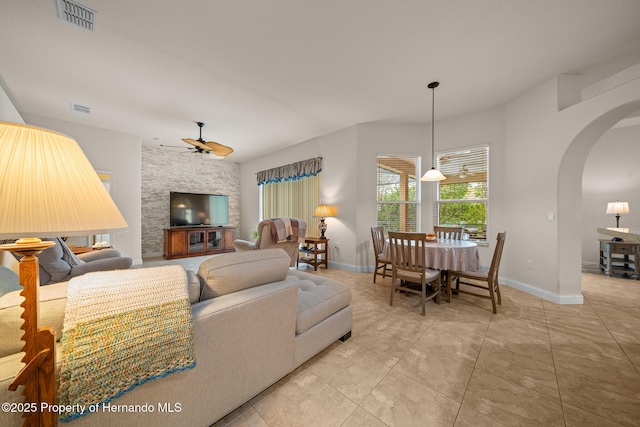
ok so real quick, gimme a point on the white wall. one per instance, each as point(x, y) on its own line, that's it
point(610, 173)
point(119, 154)
point(8, 112)
point(532, 158)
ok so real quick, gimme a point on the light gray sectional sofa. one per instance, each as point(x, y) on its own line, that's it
point(255, 321)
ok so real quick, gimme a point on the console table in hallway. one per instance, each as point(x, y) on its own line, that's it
point(620, 257)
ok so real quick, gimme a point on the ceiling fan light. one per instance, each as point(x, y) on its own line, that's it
point(433, 174)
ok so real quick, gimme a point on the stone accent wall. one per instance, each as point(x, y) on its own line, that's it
point(166, 169)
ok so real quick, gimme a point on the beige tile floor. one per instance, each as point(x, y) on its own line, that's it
point(533, 363)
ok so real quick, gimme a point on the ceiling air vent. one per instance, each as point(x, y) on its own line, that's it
point(76, 14)
point(80, 109)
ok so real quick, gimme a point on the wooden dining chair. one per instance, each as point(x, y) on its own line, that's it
point(453, 233)
point(483, 278)
point(408, 255)
point(382, 261)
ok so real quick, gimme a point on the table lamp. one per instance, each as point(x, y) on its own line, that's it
point(324, 211)
point(618, 208)
point(49, 189)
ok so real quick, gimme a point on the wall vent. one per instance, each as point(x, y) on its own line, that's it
point(80, 109)
point(76, 14)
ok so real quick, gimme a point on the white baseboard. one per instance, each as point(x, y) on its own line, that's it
point(348, 267)
point(544, 294)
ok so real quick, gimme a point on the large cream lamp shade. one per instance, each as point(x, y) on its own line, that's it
point(49, 188)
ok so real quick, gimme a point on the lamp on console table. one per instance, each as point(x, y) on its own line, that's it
point(49, 189)
point(618, 208)
point(324, 211)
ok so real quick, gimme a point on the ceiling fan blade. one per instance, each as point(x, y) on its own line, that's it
point(196, 143)
point(218, 149)
point(207, 147)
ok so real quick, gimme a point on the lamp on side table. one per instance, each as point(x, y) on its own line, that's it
point(324, 211)
point(49, 189)
point(618, 208)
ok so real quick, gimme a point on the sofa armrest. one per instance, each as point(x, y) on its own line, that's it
point(101, 254)
point(243, 245)
point(119, 263)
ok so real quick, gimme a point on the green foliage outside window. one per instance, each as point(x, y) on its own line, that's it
point(470, 213)
point(389, 206)
point(462, 198)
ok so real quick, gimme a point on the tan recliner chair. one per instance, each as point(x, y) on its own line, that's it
point(266, 240)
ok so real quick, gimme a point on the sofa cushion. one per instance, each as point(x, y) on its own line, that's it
point(194, 286)
point(232, 272)
point(53, 299)
point(53, 266)
point(8, 280)
point(318, 298)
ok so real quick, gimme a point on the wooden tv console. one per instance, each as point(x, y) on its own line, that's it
point(182, 242)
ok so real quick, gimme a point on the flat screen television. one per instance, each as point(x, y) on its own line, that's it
point(193, 209)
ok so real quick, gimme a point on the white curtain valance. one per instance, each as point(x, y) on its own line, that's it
point(290, 172)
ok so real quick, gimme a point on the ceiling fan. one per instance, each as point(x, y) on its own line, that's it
point(464, 172)
point(207, 147)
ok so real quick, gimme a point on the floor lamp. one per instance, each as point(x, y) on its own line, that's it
point(49, 189)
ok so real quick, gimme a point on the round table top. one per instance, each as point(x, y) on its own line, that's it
point(452, 243)
point(448, 254)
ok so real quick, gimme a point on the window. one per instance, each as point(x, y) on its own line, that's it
point(461, 199)
point(292, 191)
point(293, 199)
point(398, 196)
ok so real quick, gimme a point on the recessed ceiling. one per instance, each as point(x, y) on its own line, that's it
point(264, 75)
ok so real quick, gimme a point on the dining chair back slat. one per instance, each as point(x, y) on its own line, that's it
point(453, 233)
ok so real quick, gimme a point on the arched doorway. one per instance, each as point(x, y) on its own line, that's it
point(570, 188)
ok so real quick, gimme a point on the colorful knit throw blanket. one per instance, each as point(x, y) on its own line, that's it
point(121, 329)
point(287, 229)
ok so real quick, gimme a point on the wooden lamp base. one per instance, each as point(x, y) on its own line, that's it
point(38, 376)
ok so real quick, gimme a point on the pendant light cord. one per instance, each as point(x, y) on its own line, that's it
point(433, 86)
point(433, 115)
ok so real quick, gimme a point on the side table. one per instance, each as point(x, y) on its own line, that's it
point(316, 252)
point(620, 257)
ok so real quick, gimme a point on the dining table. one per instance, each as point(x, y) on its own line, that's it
point(448, 254)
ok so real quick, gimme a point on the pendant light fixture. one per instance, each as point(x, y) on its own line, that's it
point(433, 174)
